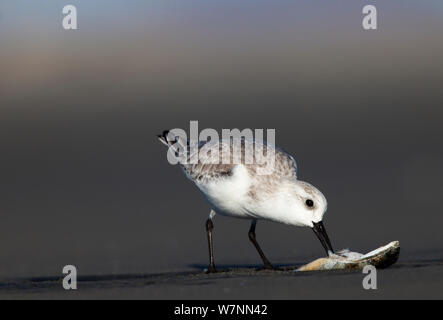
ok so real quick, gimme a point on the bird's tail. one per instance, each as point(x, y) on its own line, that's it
point(174, 142)
point(164, 138)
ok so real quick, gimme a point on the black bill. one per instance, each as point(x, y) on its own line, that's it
point(320, 231)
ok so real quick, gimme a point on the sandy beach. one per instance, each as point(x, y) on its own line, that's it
point(405, 280)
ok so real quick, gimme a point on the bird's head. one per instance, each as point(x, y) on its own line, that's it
point(308, 205)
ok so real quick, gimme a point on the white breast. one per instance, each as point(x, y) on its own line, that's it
point(228, 195)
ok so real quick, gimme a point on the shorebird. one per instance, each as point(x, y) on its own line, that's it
point(238, 189)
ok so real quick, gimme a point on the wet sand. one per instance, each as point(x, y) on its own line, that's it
point(405, 280)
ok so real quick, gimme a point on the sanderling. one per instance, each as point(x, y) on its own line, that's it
point(236, 189)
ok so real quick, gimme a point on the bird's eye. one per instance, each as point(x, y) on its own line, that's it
point(309, 203)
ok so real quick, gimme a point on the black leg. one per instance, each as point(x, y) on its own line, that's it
point(267, 264)
point(209, 227)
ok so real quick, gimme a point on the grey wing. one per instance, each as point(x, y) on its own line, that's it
point(216, 160)
point(205, 161)
point(198, 159)
point(288, 164)
point(273, 160)
point(212, 160)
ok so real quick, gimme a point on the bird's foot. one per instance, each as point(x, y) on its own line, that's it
point(211, 269)
point(267, 266)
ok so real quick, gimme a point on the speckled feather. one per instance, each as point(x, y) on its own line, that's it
point(204, 163)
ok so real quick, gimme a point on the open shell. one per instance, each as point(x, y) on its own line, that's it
point(380, 258)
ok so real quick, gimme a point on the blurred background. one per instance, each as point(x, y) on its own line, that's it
point(84, 181)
